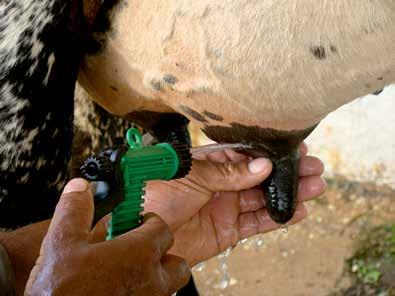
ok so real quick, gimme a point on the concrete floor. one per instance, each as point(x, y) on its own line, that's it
point(311, 258)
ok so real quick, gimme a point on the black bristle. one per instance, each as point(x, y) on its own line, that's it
point(185, 160)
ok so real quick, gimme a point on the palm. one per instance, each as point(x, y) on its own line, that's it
point(211, 231)
point(206, 219)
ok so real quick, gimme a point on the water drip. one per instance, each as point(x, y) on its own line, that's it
point(284, 228)
point(225, 279)
point(199, 267)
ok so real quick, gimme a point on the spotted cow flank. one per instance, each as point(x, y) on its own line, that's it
point(40, 58)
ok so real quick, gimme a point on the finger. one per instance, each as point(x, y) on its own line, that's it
point(260, 222)
point(310, 165)
point(310, 187)
point(251, 200)
point(206, 155)
point(176, 273)
point(242, 201)
point(234, 156)
point(222, 156)
point(219, 156)
point(73, 215)
point(155, 232)
point(226, 155)
point(303, 149)
point(230, 176)
point(254, 199)
point(99, 231)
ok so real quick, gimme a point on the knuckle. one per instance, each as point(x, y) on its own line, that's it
point(227, 171)
point(231, 174)
point(229, 168)
point(163, 232)
point(167, 235)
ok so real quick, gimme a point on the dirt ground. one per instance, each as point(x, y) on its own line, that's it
point(346, 246)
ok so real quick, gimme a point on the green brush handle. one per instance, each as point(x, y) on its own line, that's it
point(140, 164)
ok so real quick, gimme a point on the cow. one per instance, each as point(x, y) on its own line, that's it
point(42, 44)
point(260, 73)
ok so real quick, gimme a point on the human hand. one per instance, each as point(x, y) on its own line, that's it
point(23, 247)
point(220, 202)
point(133, 263)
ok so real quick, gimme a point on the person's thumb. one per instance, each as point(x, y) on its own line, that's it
point(231, 176)
point(73, 215)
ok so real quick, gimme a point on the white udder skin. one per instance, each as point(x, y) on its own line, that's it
point(273, 64)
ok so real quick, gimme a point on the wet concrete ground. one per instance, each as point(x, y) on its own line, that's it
point(313, 257)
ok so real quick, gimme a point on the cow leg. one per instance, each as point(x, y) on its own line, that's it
point(36, 106)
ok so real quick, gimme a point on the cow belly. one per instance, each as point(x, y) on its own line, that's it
point(266, 63)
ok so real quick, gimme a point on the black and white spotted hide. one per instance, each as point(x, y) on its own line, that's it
point(94, 129)
point(39, 58)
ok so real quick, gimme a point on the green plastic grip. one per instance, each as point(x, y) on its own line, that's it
point(140, 164)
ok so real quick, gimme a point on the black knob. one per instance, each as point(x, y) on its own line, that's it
point(97, 168)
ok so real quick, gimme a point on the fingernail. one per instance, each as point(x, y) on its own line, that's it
point(76, 185)
point(258, 165)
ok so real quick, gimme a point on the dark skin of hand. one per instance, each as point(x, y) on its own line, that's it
point(225, 203)
point(220, 201)
point(134, 263)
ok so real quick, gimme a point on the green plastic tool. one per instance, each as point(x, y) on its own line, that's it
point(121, 173)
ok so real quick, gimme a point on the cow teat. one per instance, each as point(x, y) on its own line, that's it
point(282, 148)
